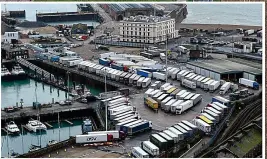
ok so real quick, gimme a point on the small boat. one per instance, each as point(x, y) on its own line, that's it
point(34, 148)
point(35, 125)
point(4, 71)
point(52, 142)
point(12, 127)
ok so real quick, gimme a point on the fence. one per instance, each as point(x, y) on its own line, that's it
point(120, 43)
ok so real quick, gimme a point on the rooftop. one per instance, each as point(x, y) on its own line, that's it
point(122, 7)
point(147, 19)
point(223, 66)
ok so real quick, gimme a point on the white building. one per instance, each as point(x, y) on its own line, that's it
point(8, 36)
point(144, 29)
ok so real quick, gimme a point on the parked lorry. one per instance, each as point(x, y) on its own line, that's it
point(104, 62)
point(178, 134)
point(146, 82)
point(117, 135)
point(196, 99)
point(174, 93)
point(156, 85)
point(189, 124)
point(159, 76)
point(183, 49)
point(93, 138)
point(165, 101)
point(164, 86)
point(189, 96)
point(178, 77)
point(137, 152)
point(184, 106)
point(211, 118)
point(129, 108)
point(180, 93)
point(171, 90)
point(151, 94)
point(175, 104)
point(148, 92)
point(139, 82)
point(196, 78)
point(139, 127)
point(162, 56)
point(159, 142)
point(161, 98)
point(189, 84)
point(122, 77)
point(167, 107)
point(131, 79)
point(214, 115)
point(117, 100)
point(221, 100)
point(168, 88)
point(202, 125)
point(183, 95)
point(214, 85)
point(225, 108)
point(207, 84)
point(170, 141)
point(118, 125)
point(225, 87)
point(118, 75)
point(188, 129)
point(127, 77)
point(199, 81)
point(150, 148)
point(172, 135)
point(136, 78)
point(249, 83)
point(151, 103)
point(73, 63)
point(144, 73)
point(174, 73)
point(203, 82)
point(155, 97)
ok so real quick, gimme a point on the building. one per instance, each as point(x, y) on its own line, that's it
point(10, 52)
point(227, 69)
point(10, 37)
point(147, 29)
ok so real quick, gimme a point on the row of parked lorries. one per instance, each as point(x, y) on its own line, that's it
point(170, 98)
point(165, 140)
point(133, 79)
point(211, 115)
point(124, 117)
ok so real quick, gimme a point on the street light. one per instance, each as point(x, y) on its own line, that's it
point(106, 106)
point(166, 58)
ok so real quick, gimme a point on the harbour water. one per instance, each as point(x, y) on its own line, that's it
point(21, 143)
point(241, 14)
point(14, 91)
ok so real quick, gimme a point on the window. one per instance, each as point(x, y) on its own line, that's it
point(135, 33)
point(148, 34)
point(139, 29)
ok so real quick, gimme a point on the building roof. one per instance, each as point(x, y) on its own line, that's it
point(146, 19)
point(223, 66)
point(122, 7)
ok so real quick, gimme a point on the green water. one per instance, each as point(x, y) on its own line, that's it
point(14, 91)
point(21, 143)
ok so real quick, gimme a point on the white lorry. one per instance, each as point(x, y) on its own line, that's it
point(184, 106)
point(225, 87)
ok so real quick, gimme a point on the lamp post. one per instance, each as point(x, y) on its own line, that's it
point(106, 106)
point(166, 58)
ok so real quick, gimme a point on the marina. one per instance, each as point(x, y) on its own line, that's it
point(103, 89)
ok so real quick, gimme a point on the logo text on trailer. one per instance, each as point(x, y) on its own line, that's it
point(91, 138)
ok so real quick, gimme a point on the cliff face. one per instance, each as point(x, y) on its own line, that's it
point(179, 14)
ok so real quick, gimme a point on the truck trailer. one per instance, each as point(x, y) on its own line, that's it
point(150, 148)
point(93, 138)
point(249, 83)
point(184, 106)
